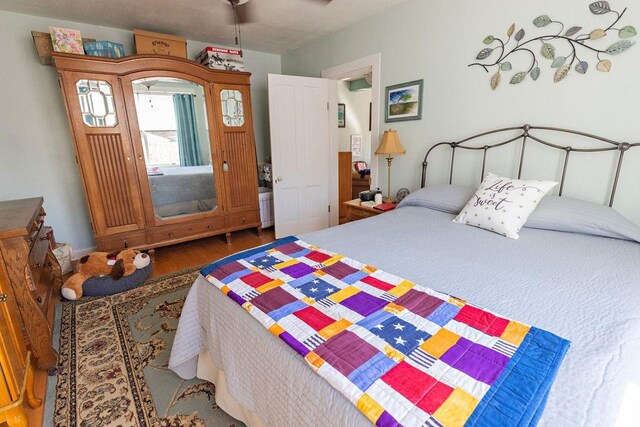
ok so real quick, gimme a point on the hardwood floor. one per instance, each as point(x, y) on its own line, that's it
point(170, 259)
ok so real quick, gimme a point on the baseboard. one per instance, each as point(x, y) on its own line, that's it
point(79, 253)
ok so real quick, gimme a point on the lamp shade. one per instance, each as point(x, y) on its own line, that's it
point(390, 143)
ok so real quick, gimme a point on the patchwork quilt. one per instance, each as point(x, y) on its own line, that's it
point(403, 354)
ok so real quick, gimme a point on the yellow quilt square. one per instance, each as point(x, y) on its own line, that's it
point(393, 308)
point(285, 264)
point(269, 285)
point(334, 328)
point(370, 408)
point(456, 410)
point(369, 269)
point(276, 329)
point(394, 354)
point(514, 333)
point(332, 260)
point(314, 360)
point(343, 294)
point(402, 288)
point(438, 344)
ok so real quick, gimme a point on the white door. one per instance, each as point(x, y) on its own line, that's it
point(304, 175)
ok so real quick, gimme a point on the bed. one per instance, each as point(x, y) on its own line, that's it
point(182, 190)
point(584, 286)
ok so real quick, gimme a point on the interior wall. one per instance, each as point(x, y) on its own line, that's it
point(357, 120)
point(435, 40)
point(36, 149)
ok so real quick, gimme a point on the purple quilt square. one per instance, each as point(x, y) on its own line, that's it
point(364, 304)
point(346, 352)
point(476, 360)
point(339, 270)
point(298, 270)
point(289, 248)
point(386, 420)
point(227, 270)
point(419, 303)
point(273, 299)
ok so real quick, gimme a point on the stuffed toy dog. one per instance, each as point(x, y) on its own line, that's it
point(116, 265)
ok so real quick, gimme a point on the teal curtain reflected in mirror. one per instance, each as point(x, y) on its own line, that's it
point(187, 133)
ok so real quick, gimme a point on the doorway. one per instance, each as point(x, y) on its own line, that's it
point(358, 128)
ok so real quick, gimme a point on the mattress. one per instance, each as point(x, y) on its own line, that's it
point(584, 288)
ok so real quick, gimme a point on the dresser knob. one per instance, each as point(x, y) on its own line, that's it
point(3, 297)
point(244, 220)
point(37, 265)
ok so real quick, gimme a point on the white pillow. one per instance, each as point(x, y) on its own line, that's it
point(503, 205)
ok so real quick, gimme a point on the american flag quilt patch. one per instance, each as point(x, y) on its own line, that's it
point(403, 354)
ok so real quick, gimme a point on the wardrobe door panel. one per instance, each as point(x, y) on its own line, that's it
point(233, 110)
point(104, 151)
point(169, 119)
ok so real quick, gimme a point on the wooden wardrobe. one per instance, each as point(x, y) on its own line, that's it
point(165, 147)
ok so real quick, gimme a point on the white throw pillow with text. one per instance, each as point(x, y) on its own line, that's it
point(503, 205)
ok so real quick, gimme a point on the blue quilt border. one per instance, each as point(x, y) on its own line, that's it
point(502, 405)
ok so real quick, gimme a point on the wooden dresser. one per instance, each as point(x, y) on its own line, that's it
point(26, 284)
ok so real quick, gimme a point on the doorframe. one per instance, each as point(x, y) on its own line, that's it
point(358, 67)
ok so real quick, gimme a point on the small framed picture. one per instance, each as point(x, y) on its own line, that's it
point(342, 120)
point(404, 102)
point(356, 145)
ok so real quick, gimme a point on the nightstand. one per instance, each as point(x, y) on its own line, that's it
point(356, 211)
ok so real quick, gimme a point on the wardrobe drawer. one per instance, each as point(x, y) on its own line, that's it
point(172, 232)
point(249, 218)
point(129, 240)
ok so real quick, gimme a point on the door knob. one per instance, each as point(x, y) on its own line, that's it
point(278, 179)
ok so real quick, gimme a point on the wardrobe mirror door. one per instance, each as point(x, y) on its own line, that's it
point(172, 117)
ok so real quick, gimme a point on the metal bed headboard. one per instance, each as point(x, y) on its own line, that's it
point(526, 135)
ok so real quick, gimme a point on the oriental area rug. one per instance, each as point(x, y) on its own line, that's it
point(114, 353)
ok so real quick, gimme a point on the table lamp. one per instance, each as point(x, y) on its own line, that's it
point(390, 145)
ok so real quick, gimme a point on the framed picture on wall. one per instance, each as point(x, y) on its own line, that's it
point(342, 121)
point(404, 102)
point(356, 145)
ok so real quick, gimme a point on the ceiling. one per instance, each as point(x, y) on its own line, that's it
point(275, 26)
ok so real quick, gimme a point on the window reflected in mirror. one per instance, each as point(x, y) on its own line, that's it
point(174, 132)
point(96, 103)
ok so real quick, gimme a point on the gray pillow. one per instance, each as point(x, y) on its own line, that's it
point(444, 198)
point(579, 216)
point(101, 286)
point(553, 212)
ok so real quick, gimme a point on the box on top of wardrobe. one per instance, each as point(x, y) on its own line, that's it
point(147, 42)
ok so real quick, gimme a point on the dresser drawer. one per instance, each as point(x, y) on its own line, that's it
point(114, 243)
point(37, 224)
point(249, 219)
point(173, 232)
point(38, 253)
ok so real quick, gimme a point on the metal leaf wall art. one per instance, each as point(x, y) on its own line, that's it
point(562, 49)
